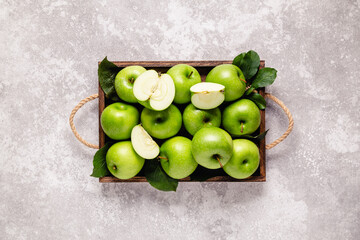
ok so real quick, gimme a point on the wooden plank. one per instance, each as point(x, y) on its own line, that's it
point(214, 179)
point(101, 109)
point(203, 67)
point(212, 63)
point(262, 165)
point(170, 63)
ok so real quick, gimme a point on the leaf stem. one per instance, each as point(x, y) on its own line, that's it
point(218, 159)
point(250, 90)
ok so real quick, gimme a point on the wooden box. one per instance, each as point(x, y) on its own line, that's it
point(203, 67)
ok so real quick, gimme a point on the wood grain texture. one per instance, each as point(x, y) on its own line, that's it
point(214, 179)
point(262, 143)
point(101, 109)
point(203, 67)
point(168, 64)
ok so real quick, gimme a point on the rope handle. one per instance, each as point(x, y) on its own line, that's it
point(71, 120)
point(267, 95)
point(288, 114)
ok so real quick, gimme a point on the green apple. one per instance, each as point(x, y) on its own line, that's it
point(118, 119)
point(244, 161)
point(241, 117)
point(143, 143)
point(194, 119)
point(176, 158)
point(122, 161)
point(212, 147)
point(124, 82)
point(162, 124)
point(231, 77)
point(207, 95)
point(154, 90)
point(184, 77)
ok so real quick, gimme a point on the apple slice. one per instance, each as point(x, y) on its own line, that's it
point(143, 143)
point(154, 90)
point(207, 95)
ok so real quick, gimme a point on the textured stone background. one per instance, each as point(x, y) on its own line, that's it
point(49, 53)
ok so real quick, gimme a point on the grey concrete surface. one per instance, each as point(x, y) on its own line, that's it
point(49, 54)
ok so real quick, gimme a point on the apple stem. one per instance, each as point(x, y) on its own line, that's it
point(132, 80)
point(114, 167)
point(217, 158)
point(160, 157)
point(190, 74)
point(159, 73)
point(242, 127)
point(243, 80)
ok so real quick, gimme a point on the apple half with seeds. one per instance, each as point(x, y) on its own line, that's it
point(154, 90)
point(143, 143)
point(207, 95)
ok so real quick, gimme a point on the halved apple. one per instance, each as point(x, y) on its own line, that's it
point(143, 143)
point(207, 95)
point(154, 90)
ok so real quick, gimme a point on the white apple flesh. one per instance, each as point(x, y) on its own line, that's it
point(153, 90)
point(207, 95)
point(143, 143)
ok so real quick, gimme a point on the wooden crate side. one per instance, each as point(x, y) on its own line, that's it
point(168, 64)
point(101, 109)
point(187, 179)
point(262, 165)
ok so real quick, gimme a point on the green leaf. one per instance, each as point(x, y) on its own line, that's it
point(255, 138)
point(248, 63)
point(264, 77)
point(202, 174)
point(99, 162)
point(157, 178)
point(238, 59)
point(258, 100)
point(107, 72)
